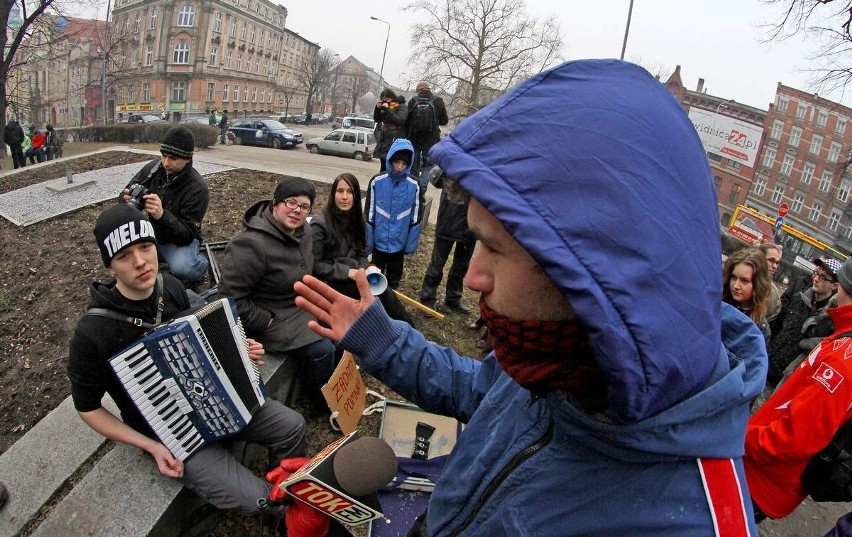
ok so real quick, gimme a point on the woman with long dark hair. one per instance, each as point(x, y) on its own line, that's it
point(339, 235)
point(747, 285)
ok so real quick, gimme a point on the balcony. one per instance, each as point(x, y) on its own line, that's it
point(216, 39)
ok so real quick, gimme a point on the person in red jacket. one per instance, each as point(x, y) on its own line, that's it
point(803, 414)
point(36, 151)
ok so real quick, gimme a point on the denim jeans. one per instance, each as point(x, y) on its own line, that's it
point(185, 262)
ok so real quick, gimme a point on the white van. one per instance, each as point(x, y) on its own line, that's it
point(352, 121)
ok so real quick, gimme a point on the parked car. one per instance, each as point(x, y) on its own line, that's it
point(351, 121)
point(200, 120)
point(355, 143)
point(265, 132)
point(144, 118)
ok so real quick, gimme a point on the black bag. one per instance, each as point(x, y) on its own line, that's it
point(828, 476)
point(423, 117)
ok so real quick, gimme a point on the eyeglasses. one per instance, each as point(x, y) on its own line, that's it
point(293, 205)
point(824, 277)
point(773, 261)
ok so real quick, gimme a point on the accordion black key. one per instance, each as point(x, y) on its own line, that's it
point(192, 378)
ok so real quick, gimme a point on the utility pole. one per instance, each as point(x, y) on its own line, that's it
point(106, 46)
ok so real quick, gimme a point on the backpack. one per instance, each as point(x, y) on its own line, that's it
point(423, 117)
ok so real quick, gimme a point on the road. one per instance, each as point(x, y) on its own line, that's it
point(300, 162)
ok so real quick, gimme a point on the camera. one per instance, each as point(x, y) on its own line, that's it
point(136, 191)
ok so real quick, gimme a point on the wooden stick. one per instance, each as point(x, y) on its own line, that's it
point(418, 305)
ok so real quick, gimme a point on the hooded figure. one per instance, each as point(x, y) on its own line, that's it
point(392, 209)
point(606, 197)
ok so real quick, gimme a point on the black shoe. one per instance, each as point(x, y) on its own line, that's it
point(4, 494)
point(429, 304)
point(458, 307)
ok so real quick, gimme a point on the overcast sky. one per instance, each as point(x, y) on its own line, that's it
point(717, 40)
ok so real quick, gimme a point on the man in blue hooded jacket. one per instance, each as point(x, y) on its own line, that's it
point(392, 211)
point(616, 398)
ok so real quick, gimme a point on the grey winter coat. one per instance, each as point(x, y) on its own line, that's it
point(261, 264)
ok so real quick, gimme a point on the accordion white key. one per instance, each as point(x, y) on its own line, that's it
point(192, 378)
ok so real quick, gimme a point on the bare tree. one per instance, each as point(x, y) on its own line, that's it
point(288, 90)
point(314, 74)
point(828, 23)
point(480, 48)
point(355, 88)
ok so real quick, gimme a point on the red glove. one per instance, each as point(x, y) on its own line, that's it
point(301, 519)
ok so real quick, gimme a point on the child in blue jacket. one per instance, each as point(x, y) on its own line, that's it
point(392, 210)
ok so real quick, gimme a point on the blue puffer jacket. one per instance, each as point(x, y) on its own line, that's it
point(629, 232)
point(392, 207)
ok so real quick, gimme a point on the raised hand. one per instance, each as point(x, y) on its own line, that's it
point(335, 312)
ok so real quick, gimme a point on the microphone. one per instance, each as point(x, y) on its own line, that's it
point(342, 480)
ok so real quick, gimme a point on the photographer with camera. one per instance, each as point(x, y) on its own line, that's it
point(175, 196)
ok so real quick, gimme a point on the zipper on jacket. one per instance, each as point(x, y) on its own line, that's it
point(501, 476)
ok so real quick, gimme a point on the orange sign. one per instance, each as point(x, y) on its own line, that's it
point(345, 393)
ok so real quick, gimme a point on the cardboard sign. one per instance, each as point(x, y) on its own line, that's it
point(346, 394)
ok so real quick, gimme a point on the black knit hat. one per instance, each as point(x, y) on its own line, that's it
point(119, 226)
point(178, 142)
point(292, 187)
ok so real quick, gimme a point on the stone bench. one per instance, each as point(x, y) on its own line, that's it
point(60, 463)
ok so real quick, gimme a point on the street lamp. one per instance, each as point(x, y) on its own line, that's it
point(626, 29)
point(105, 45)
point(382, 69)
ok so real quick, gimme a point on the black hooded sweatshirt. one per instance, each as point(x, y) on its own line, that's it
point(97, 339)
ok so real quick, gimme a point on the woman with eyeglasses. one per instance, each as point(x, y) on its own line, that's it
point(340, 244)
point(747, 286)
point(260, 266)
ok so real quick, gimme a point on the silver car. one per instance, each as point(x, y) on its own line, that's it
point(355, 143)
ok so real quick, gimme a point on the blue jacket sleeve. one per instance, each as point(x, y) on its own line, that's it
point(435, 378)
point(415, 226)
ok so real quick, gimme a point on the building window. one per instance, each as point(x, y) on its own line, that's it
point(816, 212)
point(253, 34)
point(841, 126)
point(822, 118)
point(245, 94)
point(777, 129)
point(239, 62)
point(211, 91)
point(152, 19)
point(233, 31)
point(236, 93)
point(146, 92)
point(816, 144)
point(787, 165)
point(769, 157)
point(186, 15)
point(149, 54)
point(214, 53)
point(243, 32)
point(178, 91)
point(136, 22)
point(718, 182)
point(843, 190)
point(778, 194)
point(760, 186)
point(834, 152)
point(126, 26)
point(733, 164)
point(807, 173)
point(229, 59)
point(226, 92)
point(798, 201)
point(825, 182)
point(248, 64)
point(254, 95)
point(734, 195)
point(800, 111)
point(181, 53)
point(714, 157)
point(257, 66)
point(795, 136)
point(782, 105)
point(217, 22)
point(833, 219)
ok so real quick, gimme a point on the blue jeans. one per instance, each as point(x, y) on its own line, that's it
point(185, 262)
point(317, 363)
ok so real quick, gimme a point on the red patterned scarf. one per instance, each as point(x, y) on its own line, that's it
point(543, 356)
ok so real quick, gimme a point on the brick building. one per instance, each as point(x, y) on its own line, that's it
point(802, 163)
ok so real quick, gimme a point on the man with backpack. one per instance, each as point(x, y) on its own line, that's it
point(426, 114)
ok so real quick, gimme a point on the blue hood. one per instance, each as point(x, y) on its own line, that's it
point(621, 213)
point(400, 144)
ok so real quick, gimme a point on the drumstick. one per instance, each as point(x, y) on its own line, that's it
point(418, 305)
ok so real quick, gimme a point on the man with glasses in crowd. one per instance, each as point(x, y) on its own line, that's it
point(784, 346)
point(773, 261)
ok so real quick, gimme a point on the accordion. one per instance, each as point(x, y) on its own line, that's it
point(192, 378)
